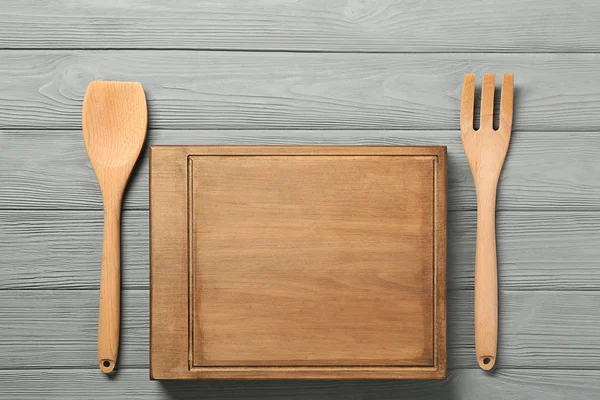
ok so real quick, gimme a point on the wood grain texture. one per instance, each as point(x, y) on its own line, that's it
point(74, 384)
point(539, 329)
point(312, 25)
point(264, 90)
point(294, 258)
point(545, 250)
point(170, 330)
point(558, 169)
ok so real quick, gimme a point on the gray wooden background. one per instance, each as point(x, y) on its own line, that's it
point(301, 72)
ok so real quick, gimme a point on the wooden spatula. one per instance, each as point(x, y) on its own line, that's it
point(486, 150)
point(115, 117)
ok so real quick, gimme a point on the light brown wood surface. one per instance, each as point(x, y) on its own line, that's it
point(298, 262)
point(486, 150)
point(114, 124)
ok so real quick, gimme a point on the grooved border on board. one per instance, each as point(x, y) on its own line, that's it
point(195, 288)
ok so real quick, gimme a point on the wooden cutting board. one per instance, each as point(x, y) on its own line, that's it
point(271, 262)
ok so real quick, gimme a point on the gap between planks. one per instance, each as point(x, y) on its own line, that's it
point(146, 368)
point(267, 129)
point(138, 209)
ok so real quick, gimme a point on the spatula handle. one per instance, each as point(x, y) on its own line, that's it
point(110, 287)
point(486, 281)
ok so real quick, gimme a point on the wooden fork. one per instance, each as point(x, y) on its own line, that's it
point(486, 150)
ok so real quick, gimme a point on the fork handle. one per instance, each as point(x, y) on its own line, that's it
point(486, 281)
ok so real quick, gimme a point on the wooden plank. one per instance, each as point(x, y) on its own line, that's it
point(538, 329)
point(64, 249)
point(543, 170)
point(312, 25)
point(264, 90)
point(461, 384)
point(537, 251)
point(59, 328)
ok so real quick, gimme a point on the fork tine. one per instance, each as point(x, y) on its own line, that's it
point(506, 102)
point(467, 104)
point(487, 101)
